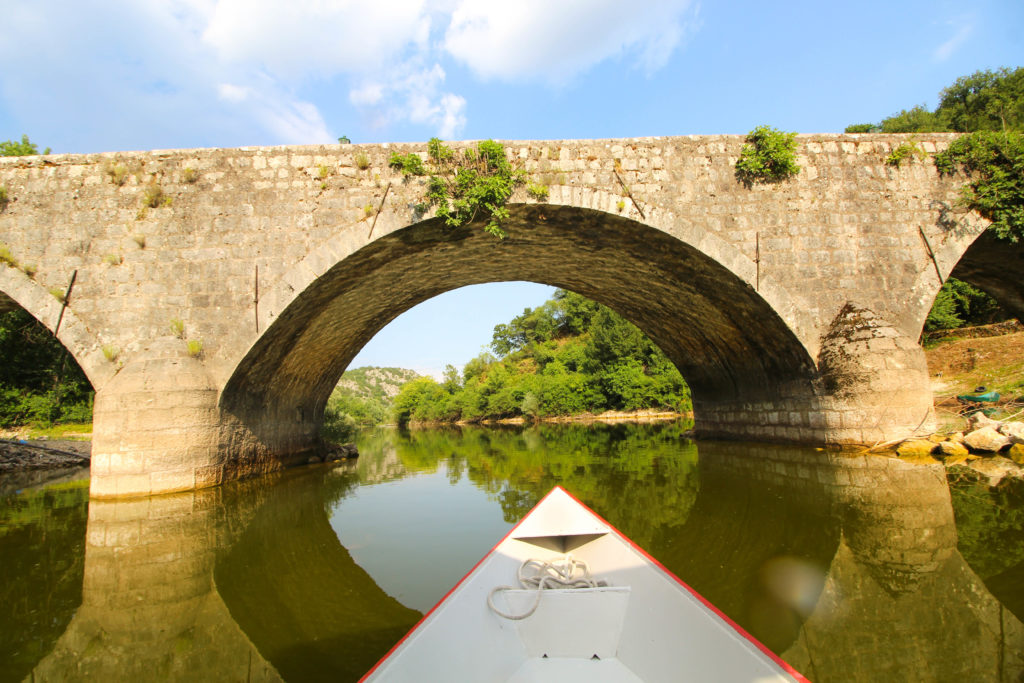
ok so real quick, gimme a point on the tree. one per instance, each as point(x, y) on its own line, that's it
point(9, 148)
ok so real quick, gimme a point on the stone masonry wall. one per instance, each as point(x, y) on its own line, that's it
point(242, 245)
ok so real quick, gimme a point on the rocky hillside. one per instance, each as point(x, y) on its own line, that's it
point(375, 383)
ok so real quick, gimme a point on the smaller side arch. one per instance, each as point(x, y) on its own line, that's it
point(74, 335)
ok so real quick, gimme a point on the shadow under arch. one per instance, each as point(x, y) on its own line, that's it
point(728, 341)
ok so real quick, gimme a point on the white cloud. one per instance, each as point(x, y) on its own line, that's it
point(530, 40)
point(215, 72)
point(945, 51)
point(315, 37)
point(233, 93)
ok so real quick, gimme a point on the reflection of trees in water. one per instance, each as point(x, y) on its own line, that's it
point(990, 523)
point(42, 543)
point(638, 476)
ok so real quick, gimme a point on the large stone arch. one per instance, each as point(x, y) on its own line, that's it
point(19, 290)
point(729, 341)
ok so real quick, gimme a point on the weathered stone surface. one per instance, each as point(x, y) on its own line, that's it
point(952, 449)
point(914, 448)
point(979, 420)
point(1014, 431)
point(793, 310)
point(986, 440)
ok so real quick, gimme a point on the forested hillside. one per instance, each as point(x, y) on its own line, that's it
point(569, 356)
point(364, 396)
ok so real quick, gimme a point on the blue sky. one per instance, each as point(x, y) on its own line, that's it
point(104, 75)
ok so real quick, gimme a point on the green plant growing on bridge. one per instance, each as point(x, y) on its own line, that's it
point(362, 161)
point(472, 183)
point(994, 162)
point(190, 175)
point(30, 269)
point(195, 347)
point(177, 326)
point(409, 164)
point(4, 200)
point(153, 197)
point(118, 174)
point(903, 152)
point(113, 259)
point(323, 170)
point(768, 157)
point(6, 257)
point(538, 192)
point(110, 352)
point(140, 240)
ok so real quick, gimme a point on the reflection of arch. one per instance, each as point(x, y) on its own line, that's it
point(17, 289)
point(695, 302)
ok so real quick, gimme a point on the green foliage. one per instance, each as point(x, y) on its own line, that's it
point(177, 326)
point(904, 151)
point(569, 356)
point(39, 381)
point(6, 257)
point(985, 100)
point(110, 352)
point(861, 128)
point(475, 183)
point(958, 304)
point(994, 161)
point(9, 148)
point(409, 164)
point(363, 397)
point(190, 175)
point(118, 174)
point(154, 197)
point(4, 199)
point(362, 161)
point(195, 347)
point(915, 120)
point(538, 192)
point(768, 157)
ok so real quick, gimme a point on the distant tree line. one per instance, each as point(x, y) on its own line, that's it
point(568, 356)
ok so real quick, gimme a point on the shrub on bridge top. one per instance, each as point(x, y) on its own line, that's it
point(768, 157)
point(471, 184)
point(994, 161)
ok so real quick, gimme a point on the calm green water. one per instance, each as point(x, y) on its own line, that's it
point(851, 568)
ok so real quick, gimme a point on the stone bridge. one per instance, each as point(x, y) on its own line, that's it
point(214, 324)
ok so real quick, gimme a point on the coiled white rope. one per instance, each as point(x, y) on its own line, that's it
point(537, 575)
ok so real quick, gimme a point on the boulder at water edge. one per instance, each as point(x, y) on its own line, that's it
point(986, 440)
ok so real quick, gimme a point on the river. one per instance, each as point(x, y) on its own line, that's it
point(852, 568)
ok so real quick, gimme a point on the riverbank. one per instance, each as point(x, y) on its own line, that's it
point(19, 455)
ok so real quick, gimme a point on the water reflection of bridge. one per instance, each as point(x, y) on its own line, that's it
point(897, 601)
point(249, 581)
point(240, 583)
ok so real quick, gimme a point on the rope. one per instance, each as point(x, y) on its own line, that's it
point(545, 575)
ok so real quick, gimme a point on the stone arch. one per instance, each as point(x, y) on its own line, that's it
point(17, 289)
point(973, 254)
point(729, 341)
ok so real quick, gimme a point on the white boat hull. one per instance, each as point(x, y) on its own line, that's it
point(644, 625)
